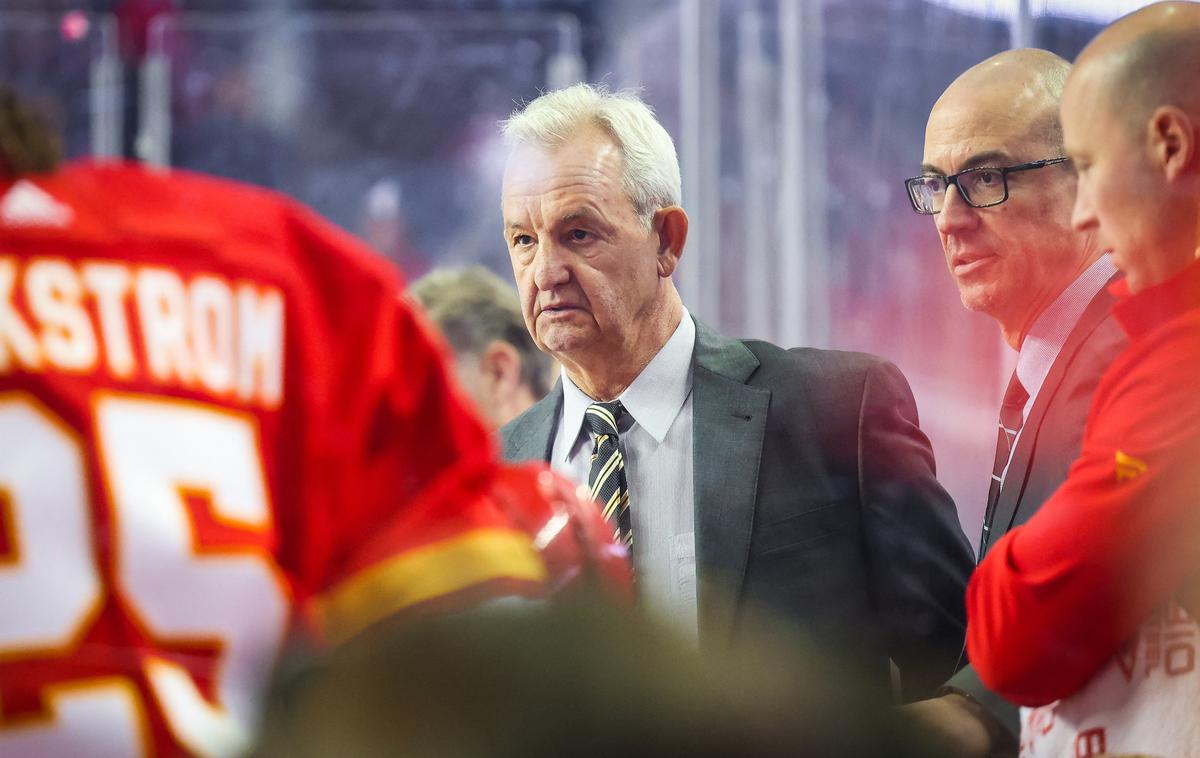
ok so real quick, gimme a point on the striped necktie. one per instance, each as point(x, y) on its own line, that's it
point(606, 479)
point(1012, 412)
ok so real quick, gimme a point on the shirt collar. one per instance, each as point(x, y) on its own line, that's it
point(658, 393)
point(1139, 313)
point(656, 396)
point(1050, 330)
point(575, 403)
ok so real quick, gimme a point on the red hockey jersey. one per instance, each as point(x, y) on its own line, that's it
point(217, 416)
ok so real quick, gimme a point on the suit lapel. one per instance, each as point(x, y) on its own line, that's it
point(530, 437)
point(1022, 462)
point(730, 420)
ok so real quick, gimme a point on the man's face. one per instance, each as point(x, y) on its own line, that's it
point(1008, 260)
point(587, 269)
point(1118, 197)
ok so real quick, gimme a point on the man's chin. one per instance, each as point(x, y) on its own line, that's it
point(562, 341)
point(979, 299)
point(1136, 278)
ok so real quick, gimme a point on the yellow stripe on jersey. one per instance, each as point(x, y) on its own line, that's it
point(425, 573)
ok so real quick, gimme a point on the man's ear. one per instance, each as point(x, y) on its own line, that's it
point(500, 369)
point(671, 225)
point(1173, 145)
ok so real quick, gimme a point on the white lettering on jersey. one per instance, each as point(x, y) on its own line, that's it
point(212, 333)
point(260, 318)
point(108, 284)
point(162, 308)
point(56, 299)
point(16, 338)
point(201, 332)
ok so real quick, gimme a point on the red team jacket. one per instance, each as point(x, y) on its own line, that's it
point(219, 419)
point(1055, 598)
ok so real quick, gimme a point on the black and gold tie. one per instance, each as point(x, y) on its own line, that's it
point(607, 476)
point(1012, 411)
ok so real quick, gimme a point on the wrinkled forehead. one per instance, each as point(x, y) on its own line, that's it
point(533, 168)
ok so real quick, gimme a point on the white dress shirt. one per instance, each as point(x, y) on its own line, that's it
point(656, 439)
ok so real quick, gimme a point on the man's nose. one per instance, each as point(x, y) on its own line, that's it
point(1083, 216)
point(956, 214)
point(550, 266)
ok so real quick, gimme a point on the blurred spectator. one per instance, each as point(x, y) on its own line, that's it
point(496, 359)
point(223, 127)
point(384, 227)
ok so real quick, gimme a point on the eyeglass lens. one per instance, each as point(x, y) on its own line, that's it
point(982, 187)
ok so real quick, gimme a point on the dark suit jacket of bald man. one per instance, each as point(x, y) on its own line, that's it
point(1049, 443)
point(816, 500)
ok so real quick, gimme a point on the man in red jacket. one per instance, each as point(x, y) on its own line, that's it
point(1088, 612)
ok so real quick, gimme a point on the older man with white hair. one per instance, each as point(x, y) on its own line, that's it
point(745, 477)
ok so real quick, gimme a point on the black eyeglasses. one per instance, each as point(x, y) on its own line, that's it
point(981, 187)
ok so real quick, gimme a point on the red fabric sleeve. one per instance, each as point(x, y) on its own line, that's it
point(1055, 598)
point(383, 434)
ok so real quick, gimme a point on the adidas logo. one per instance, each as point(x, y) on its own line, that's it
point(26, 204)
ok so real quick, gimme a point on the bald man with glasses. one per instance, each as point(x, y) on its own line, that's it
point(996, 182)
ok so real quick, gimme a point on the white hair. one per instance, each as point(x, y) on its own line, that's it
point(651, 170)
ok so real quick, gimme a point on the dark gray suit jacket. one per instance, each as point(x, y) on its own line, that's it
point(815, 500)
point(1049, 443)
